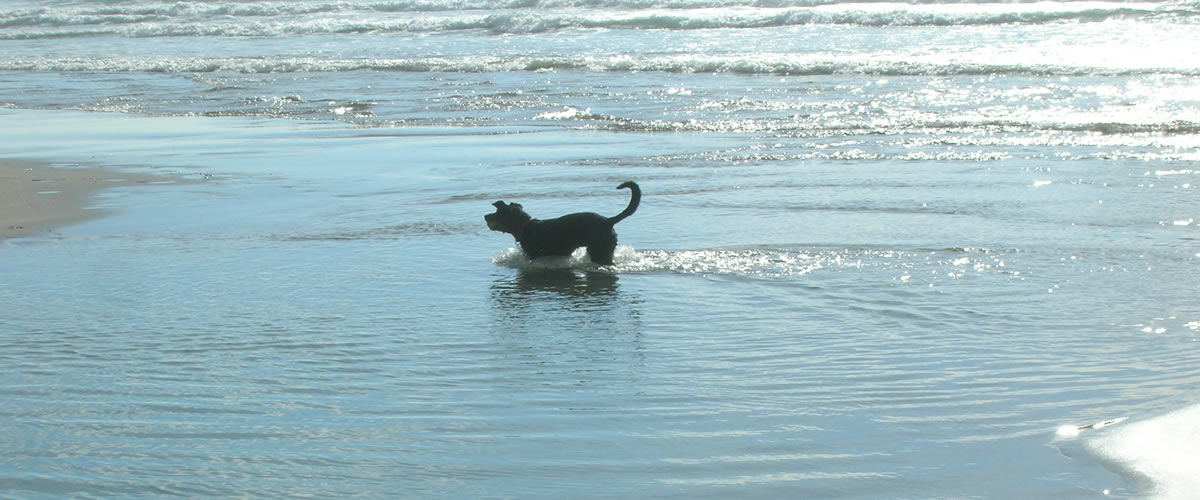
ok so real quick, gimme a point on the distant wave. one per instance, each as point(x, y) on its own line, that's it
point(274, 19)
point(813, 128)
point(756, 64)
point(825, 128)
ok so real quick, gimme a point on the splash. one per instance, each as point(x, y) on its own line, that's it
point(1162, 450)
point(758, 262)
point(516, 259)
point(1072, 431)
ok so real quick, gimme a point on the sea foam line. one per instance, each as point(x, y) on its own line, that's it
point(738, 64)
point(300, 18)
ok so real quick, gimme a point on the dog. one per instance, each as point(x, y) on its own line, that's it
point(561, 236)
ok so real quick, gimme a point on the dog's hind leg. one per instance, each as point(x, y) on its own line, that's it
point(602, 253)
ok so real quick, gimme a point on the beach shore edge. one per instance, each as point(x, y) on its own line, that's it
point(38, 198)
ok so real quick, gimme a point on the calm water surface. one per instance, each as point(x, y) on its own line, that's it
point(885, 251)
point(360, 332)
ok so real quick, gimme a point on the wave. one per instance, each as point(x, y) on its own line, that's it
point(771, 262)
point(826, 127)
point(394, 232)
point(748, 262)
point(798, 65)
point(275, 19)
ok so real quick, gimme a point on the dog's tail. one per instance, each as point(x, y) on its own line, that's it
point(633, 202)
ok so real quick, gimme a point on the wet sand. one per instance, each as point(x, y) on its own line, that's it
point(36, 198)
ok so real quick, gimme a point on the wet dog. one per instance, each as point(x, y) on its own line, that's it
point(561, 236)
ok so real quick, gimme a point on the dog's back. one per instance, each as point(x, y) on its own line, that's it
point(562, 235)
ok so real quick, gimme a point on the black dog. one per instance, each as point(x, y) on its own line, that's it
point(563, 235)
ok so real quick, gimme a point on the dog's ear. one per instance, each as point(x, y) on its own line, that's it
point(498, 204)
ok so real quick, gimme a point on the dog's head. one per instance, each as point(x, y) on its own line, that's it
point(508, 218)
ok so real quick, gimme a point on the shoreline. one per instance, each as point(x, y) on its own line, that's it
point(37, 198)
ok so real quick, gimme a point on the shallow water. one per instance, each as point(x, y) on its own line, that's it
point(884, 250)
point(891, 330)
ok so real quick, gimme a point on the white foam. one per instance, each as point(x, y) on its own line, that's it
point(1165, 450)
point(756, 262)
point(568, 113)
point(516, 259)
point(779, 64)
point(241, 18)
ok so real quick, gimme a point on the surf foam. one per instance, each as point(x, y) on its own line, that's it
point(516, 17)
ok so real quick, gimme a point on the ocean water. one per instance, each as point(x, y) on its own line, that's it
point(885, 250)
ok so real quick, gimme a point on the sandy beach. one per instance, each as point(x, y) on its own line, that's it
point(37, 198)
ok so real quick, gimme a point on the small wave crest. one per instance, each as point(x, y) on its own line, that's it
point(754, 262)
point(919, 268)
point(627, 259)
point(520, 17)
point(779, 64)
point(393, 232)
point(805, 127)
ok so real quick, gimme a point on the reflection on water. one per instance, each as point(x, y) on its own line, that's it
point(540, 300)
point(575, 283)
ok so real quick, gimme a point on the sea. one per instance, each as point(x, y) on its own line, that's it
point(912, 250)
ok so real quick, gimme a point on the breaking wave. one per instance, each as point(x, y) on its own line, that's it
point(825, 127)
point(743, 64)
point(273, 19)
